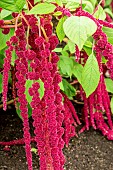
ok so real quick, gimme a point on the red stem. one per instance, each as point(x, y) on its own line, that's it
point(16, 142)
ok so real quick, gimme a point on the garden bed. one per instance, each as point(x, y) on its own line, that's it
point(89, 151)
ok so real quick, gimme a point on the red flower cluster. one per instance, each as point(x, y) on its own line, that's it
point(69, 123)
point(54, 119)
point(7, 62)
point(47, 112)
point(98, 102)
point(21, 75)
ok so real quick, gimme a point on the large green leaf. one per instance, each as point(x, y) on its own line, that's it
point(77, 71)
point(93, 2)
point(59, 29)
point(107, 2)
point(90, 75)
point(72, 5)
point(5, 38)
point(111, 105)
point(59, 2)
point(61, 86)
point(109, 11)
point(41, 89)
point(29, 84)
point(13, 58)
point(65, 65)
point(109, 33)
point(109, 85)
point(35, 1)
point(88, 44)
point(42, 8)
point(69, 90)
point(88, 50)
point(100, 13)
point(71, 46)
point(78, 29)
point(58, 50)
point(2, 59)
point(12, 5)
point(88, 47)
point(19, 112)
point(89, 7)
point(20, 4)
point(4, 13)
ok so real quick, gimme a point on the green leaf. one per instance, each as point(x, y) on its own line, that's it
point(35, 1)
point(20, 4)
point(88, 46)
point(64, 53)
point(1, 60)
point(78, 29)
point(49, 1)
point(65, 65)
point(109, 85)
point(93, 2)
point(59, 2)
point(87, 50)
point(0, 83)
point(12, 5)
point(42, 8)
point(41, 89)
point(100, 13)
point(66, 48)
point(19, 112)
point(29, 84)
point(71, 46)
point(77, 71)
point(4, 38)
point(58, 13)
point(111, 105)
point(108, 10)
point(107, 2)
point(34, 150)
point(89, 7)
point(109, 33)
point(69, 90)
point(58, 50)
point(72, 5)
point(4, 13)
point(13, 58)
point(59, 29)
point(104, 60)
point(90, 75)
point(61, 86)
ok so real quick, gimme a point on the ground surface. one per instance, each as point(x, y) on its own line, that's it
point(90, 151)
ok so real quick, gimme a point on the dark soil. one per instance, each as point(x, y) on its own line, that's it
point(90, 151)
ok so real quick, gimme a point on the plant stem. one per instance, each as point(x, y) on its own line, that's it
point(16, 142)
point(25, 19)
point(8, 103)
point(44, 34)
point(29, 3)
point(16, 23)
point(77, 102)
point(81, 3)
point(27, 38)
point(11, 26)
point(97, 7)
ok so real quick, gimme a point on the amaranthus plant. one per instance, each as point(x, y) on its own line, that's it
point(52, 52)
